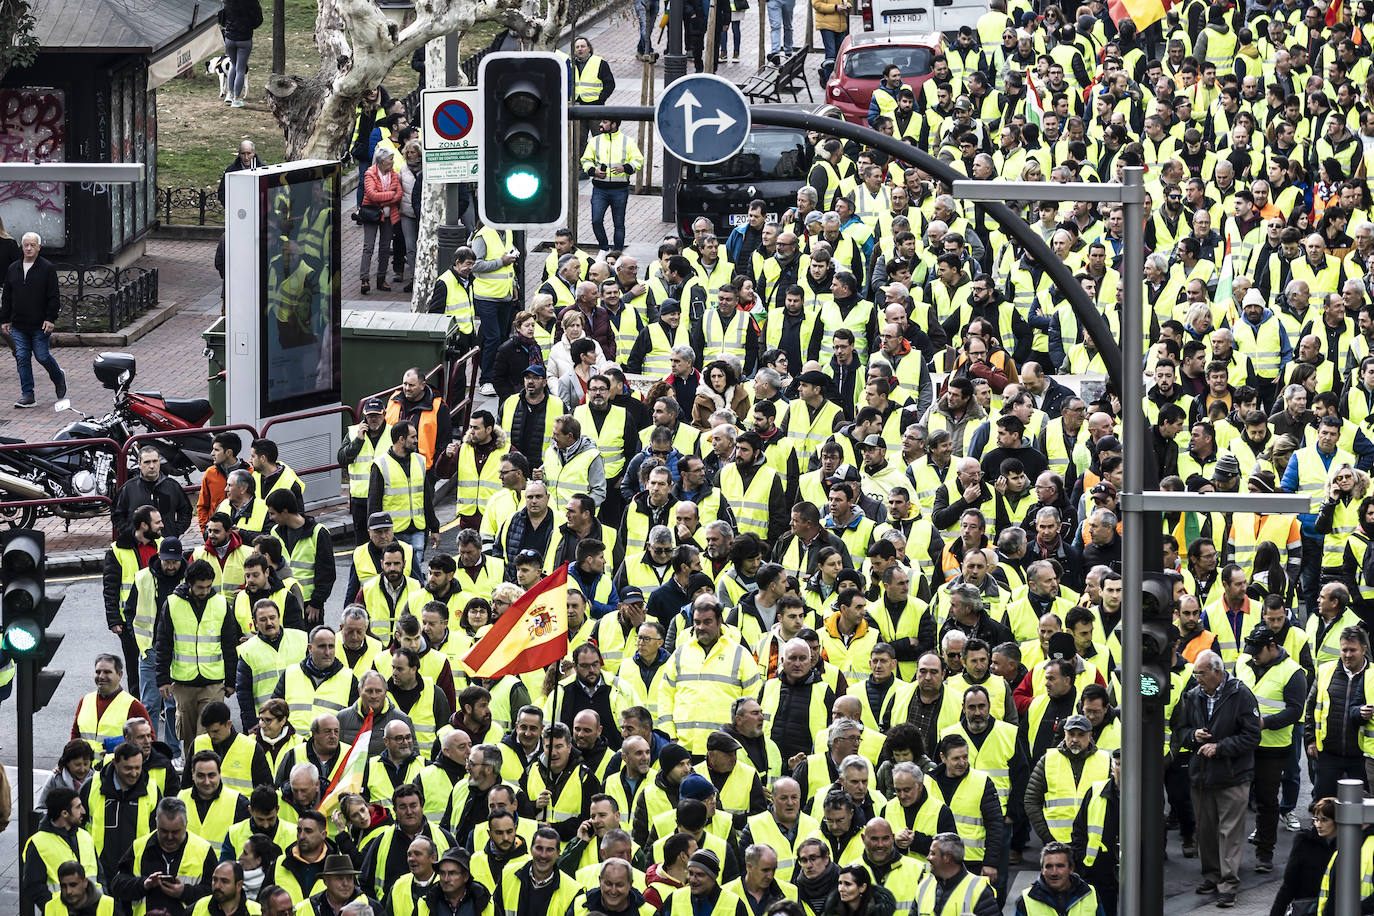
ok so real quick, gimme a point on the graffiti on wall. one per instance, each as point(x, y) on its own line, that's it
point(33, 128)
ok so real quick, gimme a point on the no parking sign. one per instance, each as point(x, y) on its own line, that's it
point(451, 131)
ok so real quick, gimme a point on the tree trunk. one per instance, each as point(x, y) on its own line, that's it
point(433, 205)
point(278, 36)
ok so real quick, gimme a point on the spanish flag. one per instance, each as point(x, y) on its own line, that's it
point(531, 634)
point(348, 777)
point(1142, 12)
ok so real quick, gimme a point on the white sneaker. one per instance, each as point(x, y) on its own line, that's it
point(1291, 822)
point(487, 390)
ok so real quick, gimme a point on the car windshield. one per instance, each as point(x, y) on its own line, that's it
point(767, 155)
point(869, 63)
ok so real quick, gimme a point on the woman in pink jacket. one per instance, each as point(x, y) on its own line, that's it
point(382, 190)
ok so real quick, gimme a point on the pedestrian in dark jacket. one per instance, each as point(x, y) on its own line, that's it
point(1308, 859)
point(1101, 873)
point(117, 786)
point(153, 488)
point(237, 22)
point(1222, 729)
point(29, 306)
point(247, 158)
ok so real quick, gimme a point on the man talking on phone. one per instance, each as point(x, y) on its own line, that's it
point(167, 870)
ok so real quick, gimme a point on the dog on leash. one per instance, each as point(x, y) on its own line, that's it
point(219, 67)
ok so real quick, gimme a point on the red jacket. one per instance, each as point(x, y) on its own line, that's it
point(387, 198)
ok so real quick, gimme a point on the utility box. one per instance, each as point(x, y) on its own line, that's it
point(378, 347)
point(214, 342)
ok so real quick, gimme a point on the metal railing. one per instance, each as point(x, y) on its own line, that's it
point(189, 207)
point(469, 364)
point(98, 298)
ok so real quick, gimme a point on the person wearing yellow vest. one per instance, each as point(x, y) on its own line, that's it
point(453, 889)
point(1280, 689)
point(1221, 727)
point(211, 806)
point(454, 293)
point(243, 762)
point(1233, 615)
point(703, 893)
point(58, 839)
point(704, 676)
point(225, 551)
point(417, 696)
point(182, 861)
point(1059, 891)
point(308, 551)
point(1061, 778)
point(478, 460)
point(593, 82)
point(610, 159)
point(493, 292)
point(1308, 472)
point(572, 465)
point(195, 643)
point(271, 475)
point(246, 512)
point(340, 879)
point(125, 558)
point(952, 888)
point(320, 683)
point(119, 799)
point(424, 408)
point(101, 714)
point(77, 894)
point(972, 798)
point(402, 485)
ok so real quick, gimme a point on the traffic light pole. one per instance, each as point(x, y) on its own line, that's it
point(674, 68)
point(452, 234)
point(24, 682)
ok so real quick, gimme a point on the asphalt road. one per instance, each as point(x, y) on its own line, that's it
point(82, 618)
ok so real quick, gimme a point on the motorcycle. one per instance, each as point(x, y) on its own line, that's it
point(83, 472)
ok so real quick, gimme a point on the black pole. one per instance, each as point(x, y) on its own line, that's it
point(1083, 306)
point(452, 234)
point(674, 68)
point(23, 707)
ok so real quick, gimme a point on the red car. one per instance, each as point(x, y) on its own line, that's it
point(862, 59)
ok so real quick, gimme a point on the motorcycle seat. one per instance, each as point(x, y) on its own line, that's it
point(189, 408)
point(7, 440)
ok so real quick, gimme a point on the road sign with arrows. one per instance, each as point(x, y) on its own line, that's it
point(702, 119)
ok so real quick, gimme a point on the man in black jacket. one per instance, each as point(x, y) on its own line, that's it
point(1222, 729)
point(152, 488)
point(28, 313)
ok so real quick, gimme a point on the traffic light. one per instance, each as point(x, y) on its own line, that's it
point(522, 168)
point(1157, 635)
point(29, 607)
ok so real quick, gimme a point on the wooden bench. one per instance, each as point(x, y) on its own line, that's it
point(769, 84)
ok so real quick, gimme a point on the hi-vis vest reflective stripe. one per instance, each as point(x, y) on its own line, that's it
point(360, 469)
point(499, 283)
point(967, 808)
point(750, 505)
point(1263, 345)
point(196, 640)
point(192, 862)
point(422, 714)
point(458, 302)
point(962, 899)
point(267, 664)
point(658, 361)
point(855, 320)
point(96, 810)
point(1246, 539)
point(236, 768)
point(53, 850)
point(403, 493)
point(230, 577)
point(764, 829)
point(1324, 675)
point(306, 701)
point(145, 609)
point(567, 480)
point(726, 340)
point(382, 615)
point(1063, 795)
point(475, 485)
point(587, 80)
point(1268, 691)
point(609, 439)
point(95, 730)
point(994, 757)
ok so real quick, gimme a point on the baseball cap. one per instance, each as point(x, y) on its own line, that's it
point(1260, 636)
point(373, 405)
point(535, 370)
point(873, 440)
point(379, 520)
point(963, 104)
point(1108, 444)
point(630, 594)
point(170, 549)
point(1077, 723)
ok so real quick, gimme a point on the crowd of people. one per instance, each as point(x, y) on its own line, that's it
point(842, 537)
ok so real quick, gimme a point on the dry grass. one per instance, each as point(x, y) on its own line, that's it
point(198, 133)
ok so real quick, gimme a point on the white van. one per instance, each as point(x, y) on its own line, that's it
point(909, 16)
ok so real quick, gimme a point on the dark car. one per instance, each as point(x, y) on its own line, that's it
point(774, 162)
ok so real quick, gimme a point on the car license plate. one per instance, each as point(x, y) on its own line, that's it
point(739, 219)
point(902, 18)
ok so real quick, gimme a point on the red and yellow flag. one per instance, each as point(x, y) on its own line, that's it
point(531, 634)
point(1142, 12)
point(1333, 13)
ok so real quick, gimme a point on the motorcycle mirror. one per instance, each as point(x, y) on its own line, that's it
point(64, 404)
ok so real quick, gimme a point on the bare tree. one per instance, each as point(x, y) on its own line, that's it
point(359, 46)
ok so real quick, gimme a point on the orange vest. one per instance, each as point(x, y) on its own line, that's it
point(1196, 645)
point(429, 426)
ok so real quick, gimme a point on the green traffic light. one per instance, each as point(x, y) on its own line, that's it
point(22, 637)
point(522, 185)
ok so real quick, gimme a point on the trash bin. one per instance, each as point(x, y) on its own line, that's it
point(378, 347)
point(214, 341)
